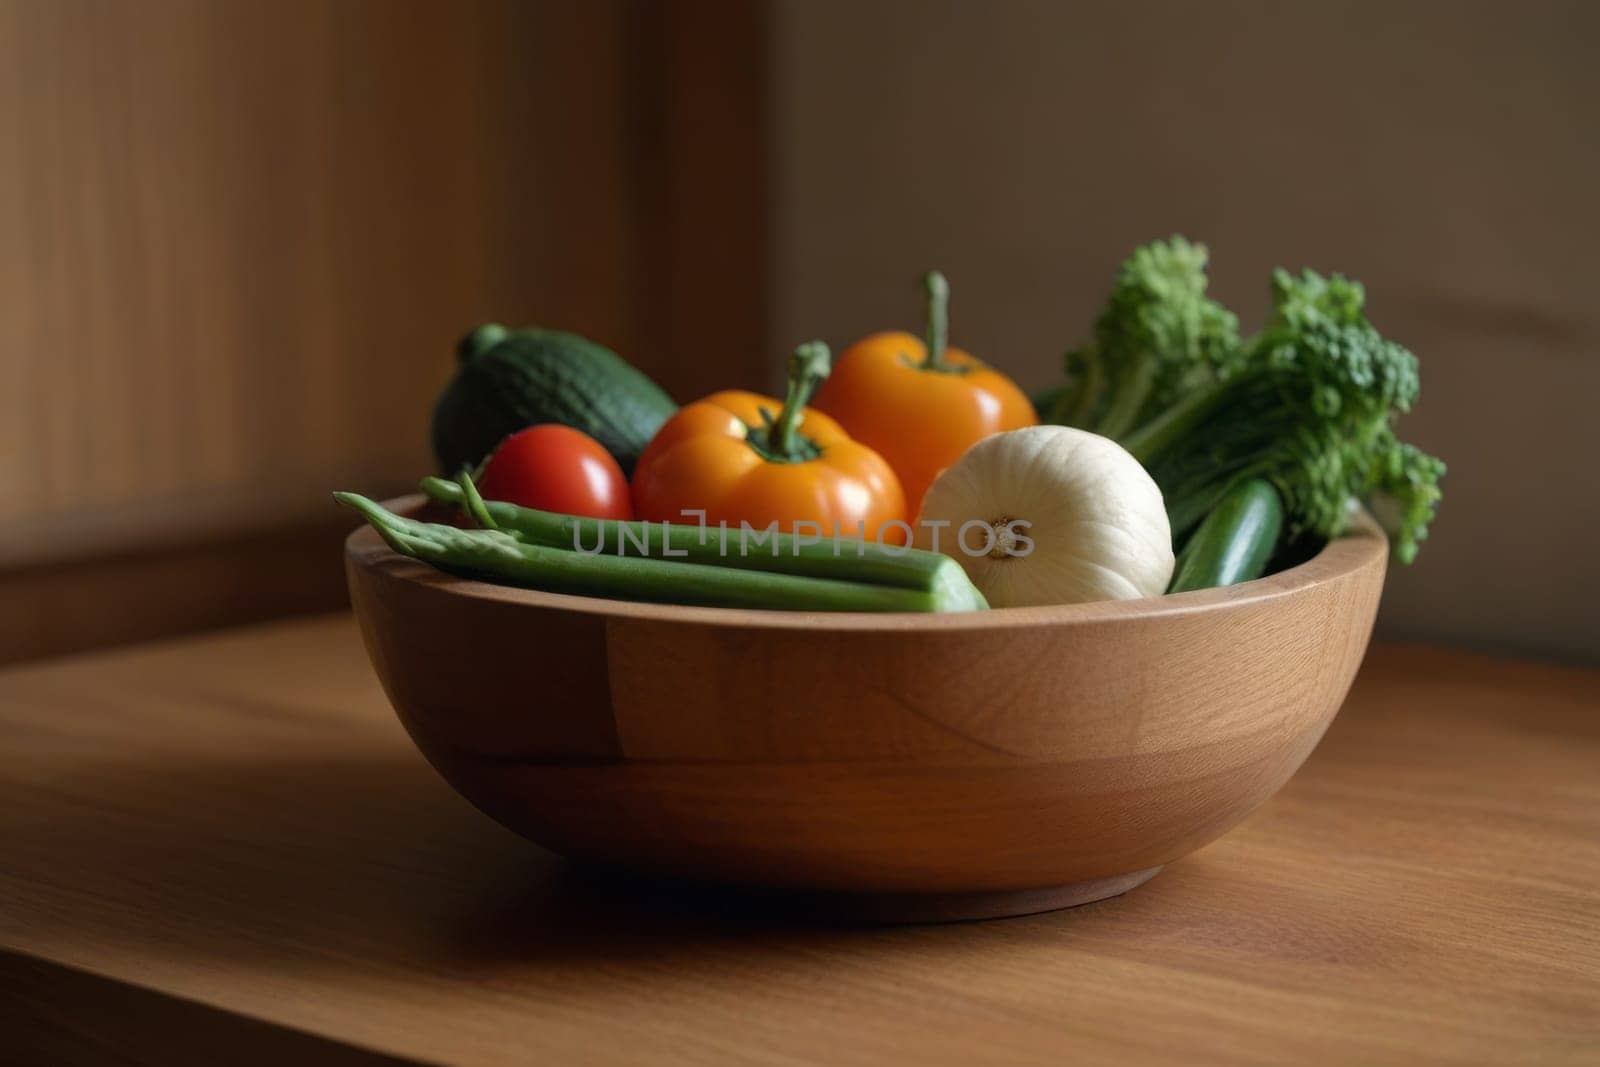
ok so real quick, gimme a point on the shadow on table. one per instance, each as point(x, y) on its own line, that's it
point(339, 861)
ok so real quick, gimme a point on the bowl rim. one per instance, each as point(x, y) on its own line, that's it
point(1362, 547)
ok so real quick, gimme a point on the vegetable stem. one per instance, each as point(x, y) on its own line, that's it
point(938, 337)
point(480, 341)
point(1120, 416)
point(1150, 441)
point(807, 368)
point(1085, 393)
point(472, 502)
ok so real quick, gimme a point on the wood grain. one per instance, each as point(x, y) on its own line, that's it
point(241, 239)
point(1007, 752)
point(702, 186)
point(200, 582)
point(238, 821)
point(46, 1005)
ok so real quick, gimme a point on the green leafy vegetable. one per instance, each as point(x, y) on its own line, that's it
point(1158, 337)
point(1306, 404)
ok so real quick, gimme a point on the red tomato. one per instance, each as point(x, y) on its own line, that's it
point(557, 468)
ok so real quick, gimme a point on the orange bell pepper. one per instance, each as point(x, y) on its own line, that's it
point(921, 405)
point(744, 457)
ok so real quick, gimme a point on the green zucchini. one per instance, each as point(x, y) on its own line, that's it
point(507, 380)
point(494, 555)
point(1235, 541)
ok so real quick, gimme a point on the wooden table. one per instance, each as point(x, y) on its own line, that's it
point(225, 850)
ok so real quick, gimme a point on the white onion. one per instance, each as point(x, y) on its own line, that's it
point(1095, 519)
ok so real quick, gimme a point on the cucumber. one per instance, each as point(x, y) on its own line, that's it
point(1235, 541)
point(508, 380)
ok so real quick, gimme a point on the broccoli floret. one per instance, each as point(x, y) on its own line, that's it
point(1317, 330)
point(1307, 403)
point(1402, 490)
point(1158, 337)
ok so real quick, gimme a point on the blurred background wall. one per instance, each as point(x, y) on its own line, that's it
point(239, 238)
point(1446, 154)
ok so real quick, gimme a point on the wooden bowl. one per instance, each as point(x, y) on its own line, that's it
point(903, 767)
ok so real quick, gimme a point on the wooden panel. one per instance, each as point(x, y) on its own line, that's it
point(193, 584)
point(243, 239)
point(239, 821)
point(700, 160)
point(240, 240)
point(560, 240)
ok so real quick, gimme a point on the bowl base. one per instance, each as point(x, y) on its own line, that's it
point(962, 907)
point(659, 892)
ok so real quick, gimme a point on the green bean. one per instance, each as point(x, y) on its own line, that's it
point(782, 553)
point(498, 556)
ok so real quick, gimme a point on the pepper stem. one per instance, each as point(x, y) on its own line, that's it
point(938, 320)
point(807, 367)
